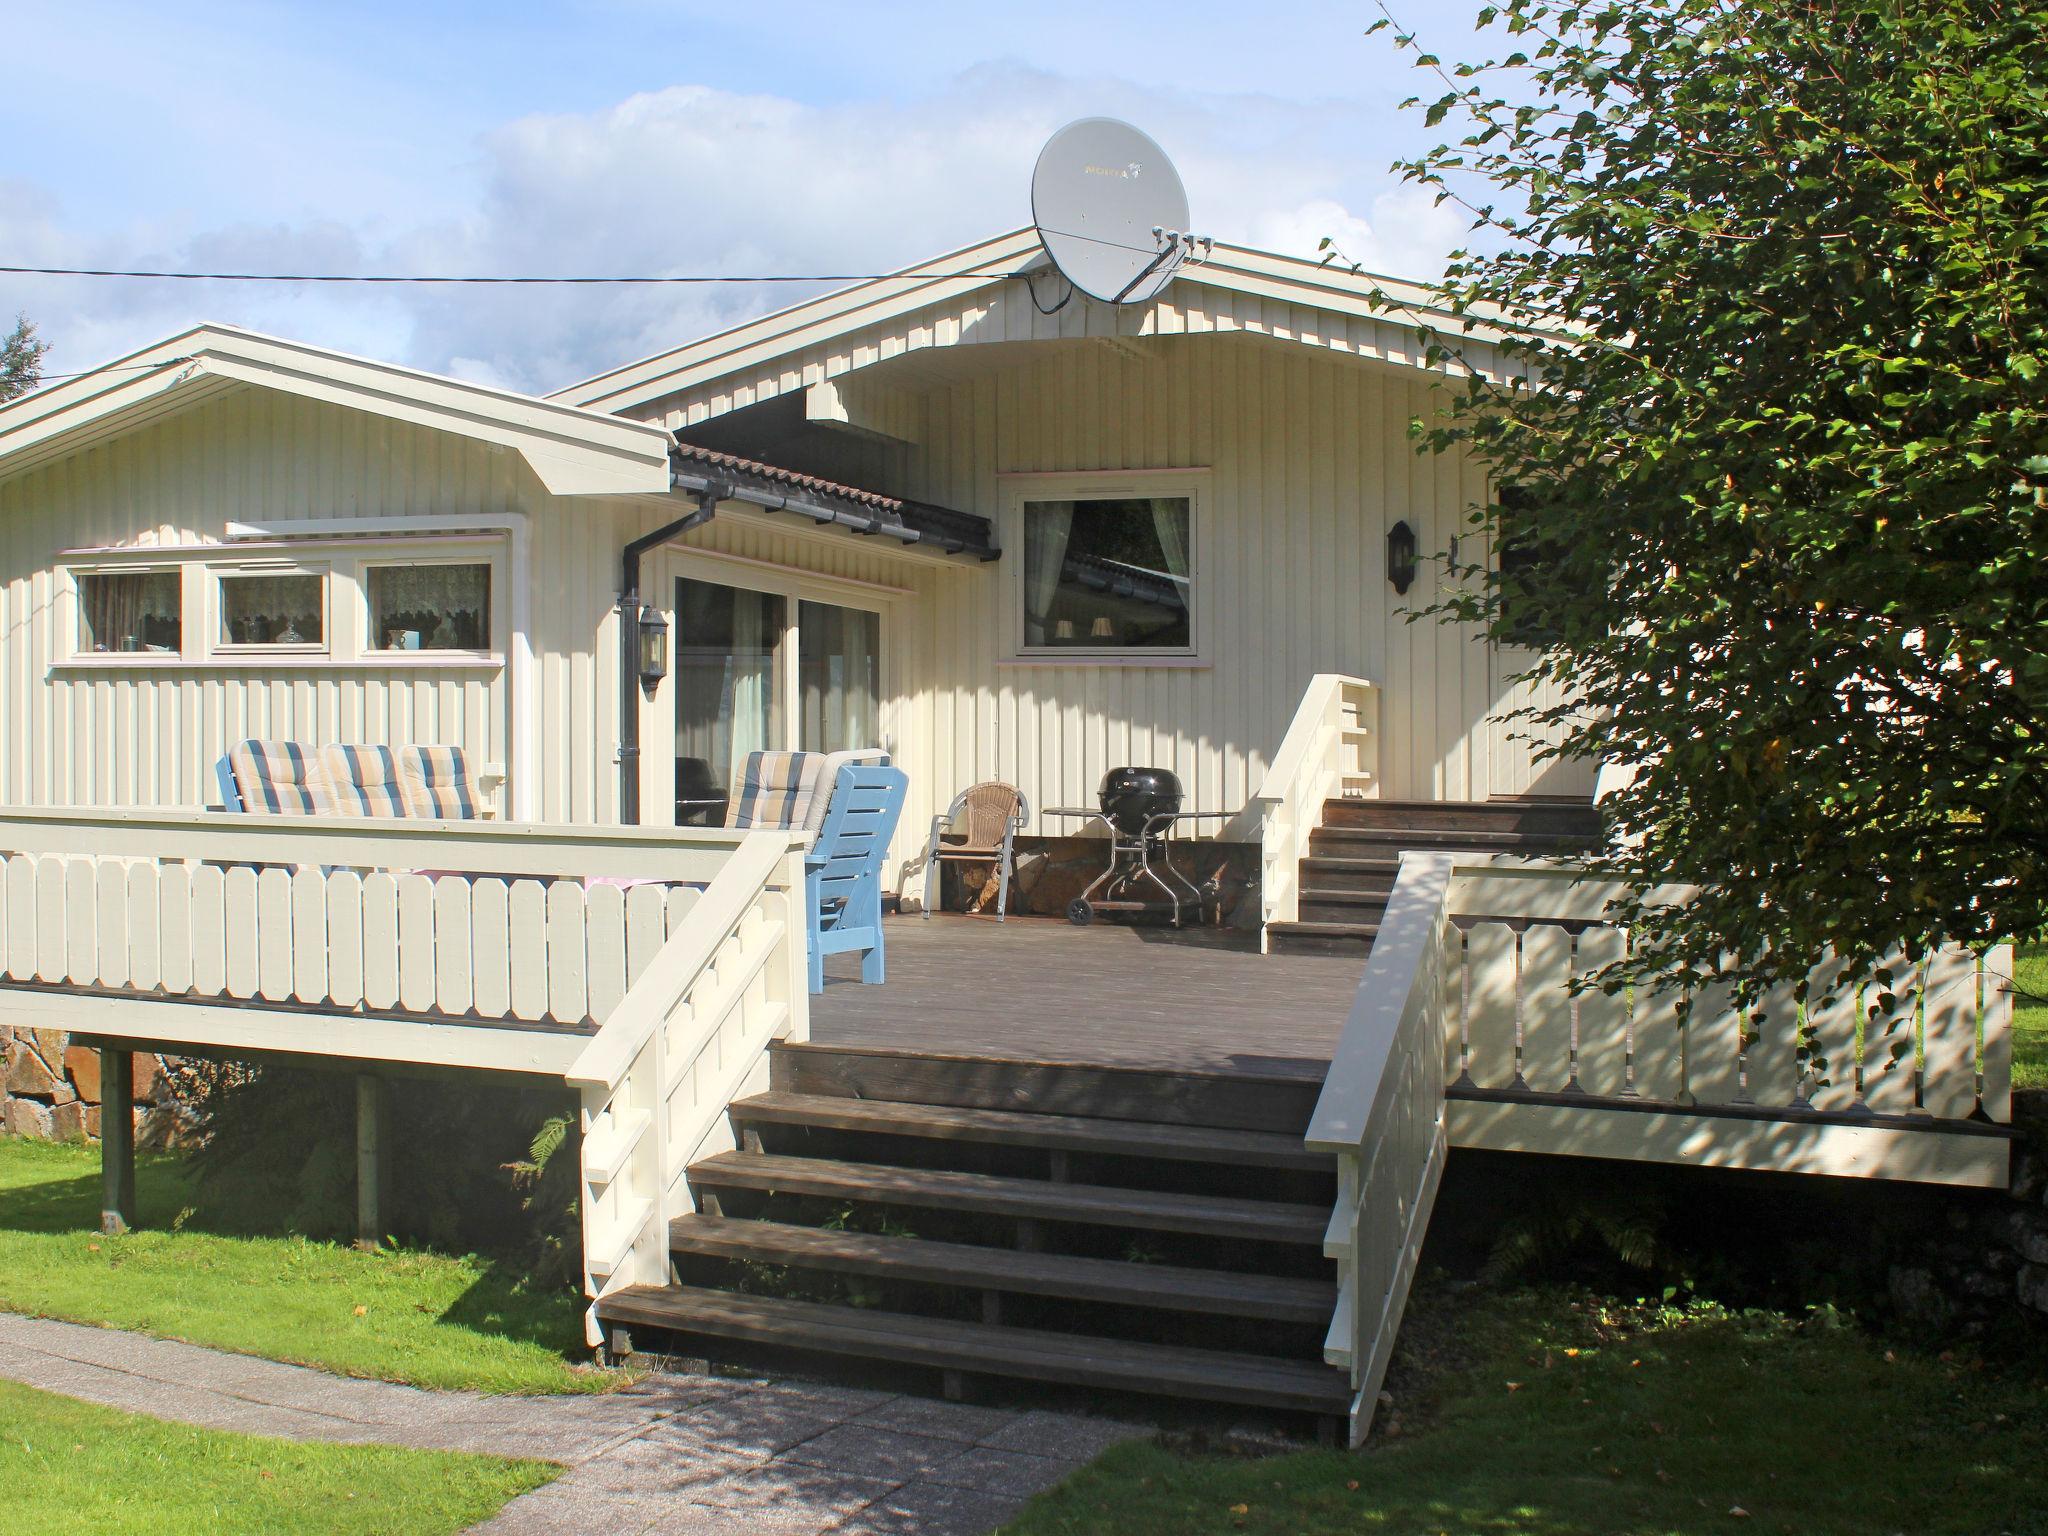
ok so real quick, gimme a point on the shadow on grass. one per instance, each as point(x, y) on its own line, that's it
point(54, 1191)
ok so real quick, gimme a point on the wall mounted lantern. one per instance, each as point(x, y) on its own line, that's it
point(1401, 550)
point(653, 648)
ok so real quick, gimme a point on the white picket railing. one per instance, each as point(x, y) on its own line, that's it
point(1331, 749)
point(690, 1037)
point(338, 937)
point(1465, 1032)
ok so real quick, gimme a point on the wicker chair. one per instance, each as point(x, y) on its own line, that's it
point(988, 817)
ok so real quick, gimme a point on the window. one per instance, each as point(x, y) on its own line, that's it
point(266, 606)
point(130, 611)
point(445, 607)
point(1109, 574)
point(1529, 595)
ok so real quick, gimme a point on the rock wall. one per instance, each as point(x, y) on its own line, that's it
point(1993, 1257)
point(50, 1090)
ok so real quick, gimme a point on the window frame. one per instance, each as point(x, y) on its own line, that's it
point(75, 586)
point(494, 596)
point(1515, 503)
point(1020, 489)
point(220, 572)
point(340, 558)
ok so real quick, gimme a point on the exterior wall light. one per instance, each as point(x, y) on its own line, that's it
point(653, 648)
point(1401, 551)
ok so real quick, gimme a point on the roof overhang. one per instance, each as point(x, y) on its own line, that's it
point(1004, 290)
point(573, 452)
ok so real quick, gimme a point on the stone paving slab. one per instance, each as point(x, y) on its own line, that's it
point(684, 1454)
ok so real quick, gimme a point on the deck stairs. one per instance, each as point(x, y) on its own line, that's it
point(1355, 854)
point(967, 1218)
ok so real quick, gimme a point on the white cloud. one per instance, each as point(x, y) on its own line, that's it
point(696, 179)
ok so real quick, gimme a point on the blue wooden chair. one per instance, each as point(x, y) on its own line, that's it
point(843, 870)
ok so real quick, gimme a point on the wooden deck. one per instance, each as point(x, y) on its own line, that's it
point(1040, 989)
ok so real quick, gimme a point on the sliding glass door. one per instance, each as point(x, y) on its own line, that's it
point(758, 669)
point(839, 677)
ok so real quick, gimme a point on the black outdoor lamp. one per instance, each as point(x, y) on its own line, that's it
point(1401, 556)
point(653, 648)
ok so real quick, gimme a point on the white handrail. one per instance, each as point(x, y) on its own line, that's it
point(1332, 743)
point(690, 1036)
point(1381, 1115)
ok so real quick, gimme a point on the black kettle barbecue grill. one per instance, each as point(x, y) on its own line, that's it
point(1140, 807)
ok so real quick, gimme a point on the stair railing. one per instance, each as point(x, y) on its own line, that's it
point(1331, 748)
point(1382, 1116)
point(690, 1036)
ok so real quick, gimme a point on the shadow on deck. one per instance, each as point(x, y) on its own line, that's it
point(1040, 989)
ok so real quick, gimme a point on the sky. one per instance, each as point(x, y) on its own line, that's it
point(640, 137)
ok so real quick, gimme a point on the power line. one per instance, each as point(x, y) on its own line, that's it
point(352, 277)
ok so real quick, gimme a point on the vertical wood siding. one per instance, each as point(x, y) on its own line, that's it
point(147, 735)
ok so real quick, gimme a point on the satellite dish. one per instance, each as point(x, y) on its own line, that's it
point(1110, 209)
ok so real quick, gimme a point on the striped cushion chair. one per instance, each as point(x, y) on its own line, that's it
point(436, 783)
point(365, 780)
point(280, 778)
point(777, 789)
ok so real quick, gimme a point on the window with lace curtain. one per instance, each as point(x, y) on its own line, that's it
point(134, 611)
point(1108, 574)
point(264, 606)
point(433, 607)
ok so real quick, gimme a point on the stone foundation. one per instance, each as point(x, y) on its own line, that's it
point(1993, 1257)
point(50, 1090)
point(1052, 871)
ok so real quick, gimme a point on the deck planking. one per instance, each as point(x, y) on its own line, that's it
point(1040, 989)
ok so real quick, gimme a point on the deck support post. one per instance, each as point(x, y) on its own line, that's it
point(117, 1141)
point(369, 1160)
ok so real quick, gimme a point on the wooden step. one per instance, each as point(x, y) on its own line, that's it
point(1328, 839)
point(1564, 817)
point(1350, 908)
point(1370, 872)
point(1062, 1133)
point(1270, 1298)
point(1233, 1100)
point(1027, 1199)
point(982, 1348)
point(1323, 938)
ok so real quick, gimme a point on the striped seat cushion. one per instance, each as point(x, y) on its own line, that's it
point(436, 783)
point(281, 778)
point(364, 780)
point(776, 789)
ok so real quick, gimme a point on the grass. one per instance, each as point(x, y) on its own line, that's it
point(72, 1466)
point(427, 1319)
point(2030, 1017)
point(1562, 1415)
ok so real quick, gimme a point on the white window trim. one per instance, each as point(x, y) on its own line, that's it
point(340, 558)
point(1104, 485)
point(215, 613)
point(473, 553)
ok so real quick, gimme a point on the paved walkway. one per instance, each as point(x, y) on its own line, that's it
point(681, 1455)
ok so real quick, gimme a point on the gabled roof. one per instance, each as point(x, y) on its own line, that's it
point(573, 452)
point(1004, 290)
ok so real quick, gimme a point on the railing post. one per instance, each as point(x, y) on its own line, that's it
point(117, 1141)
point(369, 1161)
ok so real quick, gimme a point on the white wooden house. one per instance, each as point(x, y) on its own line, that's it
point(1003, 532)
point(1260, 402)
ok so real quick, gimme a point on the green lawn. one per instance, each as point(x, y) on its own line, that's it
point(1563, 1416)
point(424, 1318)
point(72, 1466)
point(2030, 1018)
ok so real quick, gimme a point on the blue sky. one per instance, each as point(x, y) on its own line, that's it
point(643, 136)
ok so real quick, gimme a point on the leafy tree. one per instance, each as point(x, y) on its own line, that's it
point(21, 359)
point(1775, 277)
